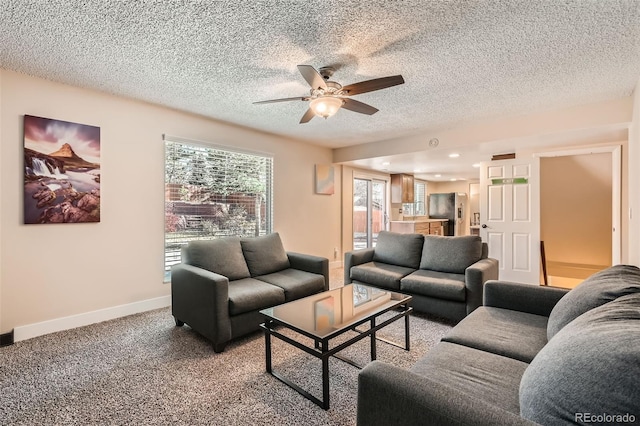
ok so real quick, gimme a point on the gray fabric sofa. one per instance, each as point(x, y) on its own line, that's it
point(445, 275)
point(222, 284)
point(530, 355)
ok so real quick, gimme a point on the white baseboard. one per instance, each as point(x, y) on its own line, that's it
point(573, 270)
point(66, 323)
point(335, 264)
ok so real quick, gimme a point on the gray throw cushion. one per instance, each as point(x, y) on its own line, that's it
point(222, 256)
point(399, 249)
point(598, 289)
point(450, 254)
point(264, 255)
point(591, 367)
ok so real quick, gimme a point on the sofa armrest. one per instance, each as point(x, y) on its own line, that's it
point(354, 258)
point(533, 299)
point(200, 298)
point(310, 263)
point(474, 278)
point(389, 395)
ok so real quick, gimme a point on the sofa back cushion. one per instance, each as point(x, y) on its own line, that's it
point(450, 254)
point(598, 289)
point(590, 366)
point(265, 255)
point(399, 249)
point(222, 256)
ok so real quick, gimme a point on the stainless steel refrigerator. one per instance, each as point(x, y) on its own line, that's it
point(453, 207)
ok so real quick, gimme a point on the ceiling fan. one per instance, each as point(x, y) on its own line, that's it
point(327, 97)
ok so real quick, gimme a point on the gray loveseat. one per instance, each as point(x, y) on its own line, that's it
point(445, 275)
point(222, 284)
point(530, 355)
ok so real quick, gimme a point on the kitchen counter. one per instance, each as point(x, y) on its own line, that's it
point(424, 226)
point(419, 220)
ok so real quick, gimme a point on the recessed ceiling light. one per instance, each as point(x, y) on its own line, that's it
point(386, 163)
point(476, 165)
point(416, 171)
point(438, 175)
point(453, 179)
point(454, 155)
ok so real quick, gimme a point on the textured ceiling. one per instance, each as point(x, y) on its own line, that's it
point(462, 61)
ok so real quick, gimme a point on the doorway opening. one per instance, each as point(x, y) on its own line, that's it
point(579, 214)
point(369, 211)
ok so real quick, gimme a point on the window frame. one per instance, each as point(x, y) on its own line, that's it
point(213, 149)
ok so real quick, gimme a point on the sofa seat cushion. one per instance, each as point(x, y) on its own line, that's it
point(249, 294)
point(440, 285)
point(295, 283)
point(450, 254)
point(265, 254)
point(598, 289)
point(590, 366)
point(513, 334)
point(222, 256)
point(490, 378)
point(380, 274)
point(399, 249)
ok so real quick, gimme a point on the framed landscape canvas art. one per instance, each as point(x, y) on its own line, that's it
point(61, 171)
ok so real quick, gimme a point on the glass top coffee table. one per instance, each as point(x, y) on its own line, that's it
point(327, 315)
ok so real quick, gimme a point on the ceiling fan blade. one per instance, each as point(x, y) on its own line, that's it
point(307, 116)
point(270, 101)
point(371, 85)
point(312, 76)
point(357, 106)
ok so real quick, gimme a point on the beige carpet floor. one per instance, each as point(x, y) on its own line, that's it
point(142, 370)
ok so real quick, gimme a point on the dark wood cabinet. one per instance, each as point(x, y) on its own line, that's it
point(402, 188)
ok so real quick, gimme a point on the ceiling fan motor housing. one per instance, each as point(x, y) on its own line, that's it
point(326, 72)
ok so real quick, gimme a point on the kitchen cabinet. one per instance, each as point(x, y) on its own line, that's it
point(402, 188)
point(425, 226)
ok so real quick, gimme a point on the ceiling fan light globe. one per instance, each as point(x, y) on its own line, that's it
point(325, 106)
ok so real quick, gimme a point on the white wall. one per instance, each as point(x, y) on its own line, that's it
point(444, 187)
point(634, 182)
point(581, 125)
point(48, 272)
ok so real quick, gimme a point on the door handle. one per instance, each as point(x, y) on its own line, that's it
point(484, 225)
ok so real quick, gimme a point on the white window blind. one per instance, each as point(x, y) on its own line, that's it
point(419, 191)
point(213, 192)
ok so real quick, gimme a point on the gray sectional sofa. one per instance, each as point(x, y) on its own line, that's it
point(445, 275)
point(222, 284)
point(530, 355)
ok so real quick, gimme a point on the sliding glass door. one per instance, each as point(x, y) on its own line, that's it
point(369, 211)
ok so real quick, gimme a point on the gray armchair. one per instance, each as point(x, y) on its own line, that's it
point(221, 285)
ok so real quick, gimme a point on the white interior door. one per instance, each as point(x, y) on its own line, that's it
point(510, 216)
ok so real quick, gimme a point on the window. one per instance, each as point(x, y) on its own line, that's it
point(419, 191)
point(213, 192)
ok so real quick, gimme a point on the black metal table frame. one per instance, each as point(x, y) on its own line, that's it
point(321, 346)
